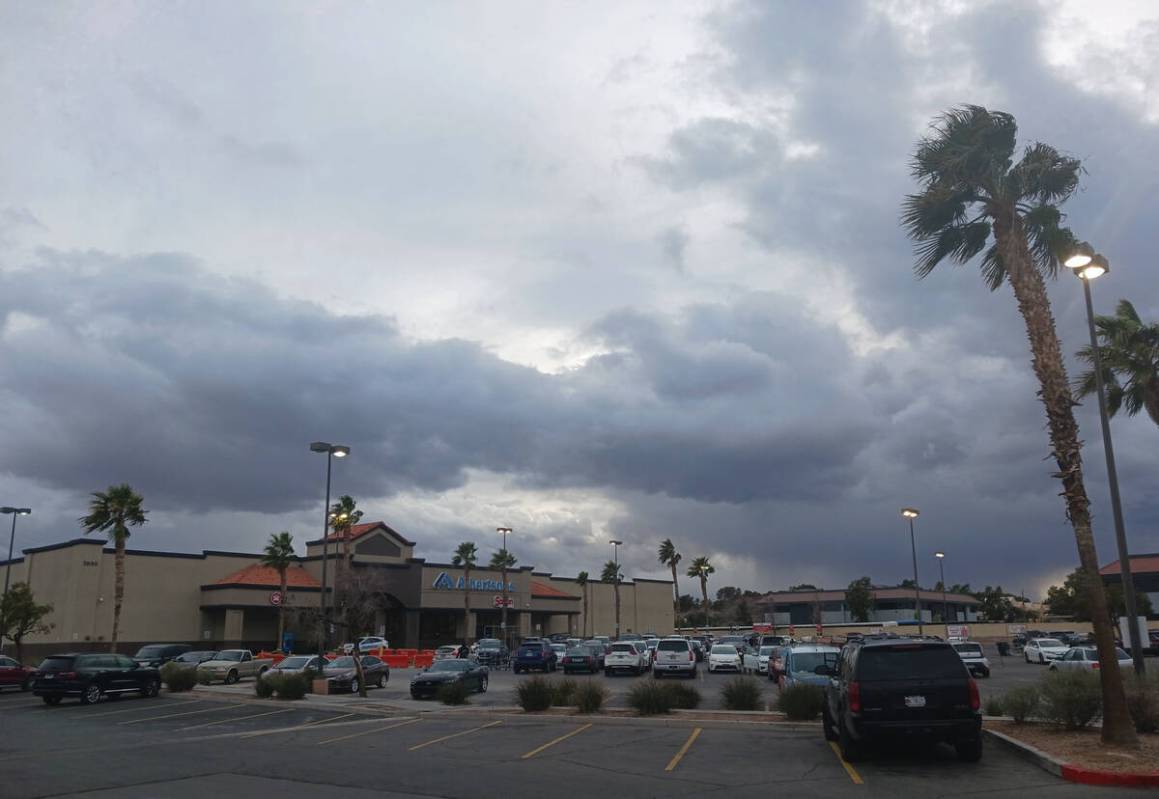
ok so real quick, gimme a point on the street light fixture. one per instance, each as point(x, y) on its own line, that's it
point(941, 556)
point(331, 451)
point(1087, 265)
point(911, 514)
point(503, 568)
point(616, 585)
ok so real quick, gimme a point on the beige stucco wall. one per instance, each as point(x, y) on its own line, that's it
point(645, 606)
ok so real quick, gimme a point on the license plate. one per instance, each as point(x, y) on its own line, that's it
point(49, 677)
point(915, 701)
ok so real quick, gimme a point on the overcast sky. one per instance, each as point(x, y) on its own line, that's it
point(592, 271)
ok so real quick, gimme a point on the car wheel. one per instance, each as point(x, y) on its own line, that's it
point(1026, 657)
point(151, 688)
point(354, 686)
point(850, 750)
point(51, 700)
point(1041, 659)
point(26, 685)
point(969, 751)
point(231, 678)
point(827, 723)
point(92, 694)
point(607, 672)
point(263, 671)
point(381, 681)
point(483, 685)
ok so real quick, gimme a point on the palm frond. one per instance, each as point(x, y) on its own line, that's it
point(1050, 242)
point(958, 242)
point(993, 269)
point(1044, 175)
point(967, 145)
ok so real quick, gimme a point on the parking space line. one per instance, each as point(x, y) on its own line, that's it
point(238, 718)
point(675, 761)
point(455, 735)
point(368, 732)
point(128, 710)
point(179, 715)
point(550, 744)
point(852, 772)
point(323, 721)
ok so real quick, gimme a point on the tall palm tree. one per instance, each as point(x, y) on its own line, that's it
point(668, 556)
point(116, 509)
point(971, 188)
point(582, 580)
point(343, 516)
point(466, 556)
point(612, 574)
point(279, 555)
point(503, 560)
point(1129, 351)
point(700, 569)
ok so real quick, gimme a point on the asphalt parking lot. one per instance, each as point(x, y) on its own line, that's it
point(213, 744)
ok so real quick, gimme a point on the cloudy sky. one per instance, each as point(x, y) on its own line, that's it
point(587, 270)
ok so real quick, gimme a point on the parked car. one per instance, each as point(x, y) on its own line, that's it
point(625, 657)
point(651, 644)
point(157, 655)
point(697, 649)
point(92, 677)
point(195, 657)
point(230, 665)
point(1086, 658)
point(427, 683)
point(372, 642)
point(580, 658)
point(14, 675)
point(810, 664)
point(605, 641)
point(764, 655)
point(343, 672)
point(724, 657)
point(674, 656)
point(295, 664)
point(448, 651)
point(598, 651)
point(560, 650)
point(750, 659)
point(972, 655)
point(534, 655)
point(899, 688)
point(491, 651)
point(773, 640)
point(1043, 650)
point(777, 662)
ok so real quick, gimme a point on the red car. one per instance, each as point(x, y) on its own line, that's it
point(13, 675)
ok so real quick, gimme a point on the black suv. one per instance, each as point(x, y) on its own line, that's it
point(890, 688)
point(92, 677)
point(157, 655)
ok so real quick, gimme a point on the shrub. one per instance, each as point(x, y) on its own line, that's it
point(993, 707)
point(742, 693)
point(534, 694)
point(1021, 702)
point(590, 697)
point(801, 702)
point(1143, 699)
point(1072, 698)
point(453, 693)
point(290, 686)
point(682, 695)
point(264, 686)
point(178, 678)
point(563, 692)
point(649, 698)
point(204, 678)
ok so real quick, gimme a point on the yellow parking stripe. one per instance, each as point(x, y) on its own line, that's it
point(550, 744)
point(179, 715)
point(852, 772)
point(456, 735)
point(238, 718)
point(675, 761)
point(368, 732)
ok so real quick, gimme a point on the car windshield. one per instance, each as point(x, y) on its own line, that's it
point(341, 663)
point(807, 662)
point(195, 657)
point(296, 662)
point(446, 650)
point(451, 665)
point(908, 662)
point(672, 646)
point(969, 649)
point(578, 652)
point(490, 643)
point(624, 648)
point(229, 654)
point(531, 649)
point(1049, 642)
point(767, 651)
point(152, 651)
point(724, 649)
point(56, 664)
point(559, 647)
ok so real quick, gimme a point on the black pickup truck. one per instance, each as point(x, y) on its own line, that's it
point(891, 689)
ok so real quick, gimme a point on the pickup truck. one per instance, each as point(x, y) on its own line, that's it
point(230, 665)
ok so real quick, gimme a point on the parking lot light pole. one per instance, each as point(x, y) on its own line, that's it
point(911, 514)
point(941, 556)
point(503, 569)
point(331, 451)
point(616, 546)
point(1087, 265)
point(12, 540)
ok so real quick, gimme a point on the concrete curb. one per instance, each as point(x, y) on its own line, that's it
point(1071, 772)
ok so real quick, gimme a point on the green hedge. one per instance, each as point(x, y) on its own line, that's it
point(801, 702)
point(742, 693)
point(178, 678)
point(534, 694)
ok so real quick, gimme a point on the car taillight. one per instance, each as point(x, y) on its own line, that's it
point(975, 700)
point(855, 697)
point(67, 675)
point(1095, 665)
point(690, 655)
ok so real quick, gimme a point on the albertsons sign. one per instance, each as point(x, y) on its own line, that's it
point(445, 582)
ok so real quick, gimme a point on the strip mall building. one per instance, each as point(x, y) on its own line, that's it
point(228, 599)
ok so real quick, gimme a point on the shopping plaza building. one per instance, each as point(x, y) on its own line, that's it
point(228, 599)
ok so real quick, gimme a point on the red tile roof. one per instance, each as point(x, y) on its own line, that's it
point(359, 530)
point(545, 591)
point(1139, 563)
point(267, 577)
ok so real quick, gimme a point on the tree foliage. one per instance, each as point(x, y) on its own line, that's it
point(1070, 599)
point(859, 598)
point(1129, 351)
point(21, 616)
point(116, 509)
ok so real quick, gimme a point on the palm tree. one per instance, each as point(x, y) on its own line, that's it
point(466, 556)
point(343, 516)
point(668, 556)
point(700, 569)
point(117, 509)
point(503, 560)
point(970, 188)
point(279, 554)
point(1129, 352)
point(612, 574)
point(582, 580)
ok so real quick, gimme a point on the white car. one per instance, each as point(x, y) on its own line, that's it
point(560, 652)
point(372, 642)
point(1086, 658)
point(973, 656)
point(624, 657)
point(1043, 650)
point(725, 657)
point(763, 656)
point(750, 660)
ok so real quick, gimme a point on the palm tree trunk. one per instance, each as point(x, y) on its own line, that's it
point(466, 603)
point(1034, 304)
point(675, 595)
point(704, 596)
point(585, 611)
point(282, 610)
point(119, 534)
point(616, 587)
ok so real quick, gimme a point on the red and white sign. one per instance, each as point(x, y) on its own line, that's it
point(957, 631)
point(762, 628)
point(500, 602)
point(275, 598)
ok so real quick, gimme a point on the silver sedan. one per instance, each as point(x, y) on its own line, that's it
point(1087, 659)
